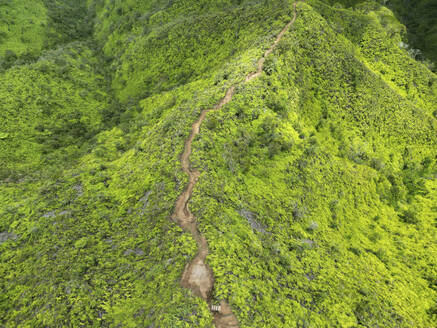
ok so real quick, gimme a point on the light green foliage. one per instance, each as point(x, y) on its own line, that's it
point(378, 35)
point(152, 49)
point(420, 18)
point(318, 189)
point(338, 170)
point(95, 245)
point(22, 28)
point(49, 108)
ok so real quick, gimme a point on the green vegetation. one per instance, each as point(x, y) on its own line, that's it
point(29, 26)
point(421, 34)
point(22, 29)
point(318, 189)
point(49, 108)
point(419, 17)
point(68, 20)
point(161, 49)
point(378, 35)
point(343, 187)
point(421, 21)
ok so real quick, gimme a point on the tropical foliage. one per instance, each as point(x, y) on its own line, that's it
point(318, 186)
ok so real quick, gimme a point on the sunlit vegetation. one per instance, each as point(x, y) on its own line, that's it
point(339, 171)
point(153, 50)
point(318, 185)
point(420, 18)
point(22, 29)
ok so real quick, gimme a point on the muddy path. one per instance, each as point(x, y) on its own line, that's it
point(198, 276)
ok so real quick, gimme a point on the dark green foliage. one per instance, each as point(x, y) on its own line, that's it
point(346, 203)
point(420, 17)
point(50, 108)
point(27, 27)
point(68, 20)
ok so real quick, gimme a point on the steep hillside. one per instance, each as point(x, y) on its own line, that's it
point(49, 109)
point(22, 29)
point(420, 19)
point(28, 27)
point(155, 46)
point(319, 178)
point(313, 183)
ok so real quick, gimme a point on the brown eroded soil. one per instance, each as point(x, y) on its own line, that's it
point(198, 276)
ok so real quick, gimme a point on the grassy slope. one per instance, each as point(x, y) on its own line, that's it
point(22, 27)
point(49, 109)
point(419, 18)
point(337, 166)
point(313, 149)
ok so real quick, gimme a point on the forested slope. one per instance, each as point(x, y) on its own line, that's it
point(318, 186)
point(23, 28)
point(420, 19)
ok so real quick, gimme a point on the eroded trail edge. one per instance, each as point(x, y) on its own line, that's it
point(198, 276)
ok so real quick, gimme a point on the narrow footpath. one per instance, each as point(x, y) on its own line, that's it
point(198, 276)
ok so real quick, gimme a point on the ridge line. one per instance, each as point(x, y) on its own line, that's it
point(197, 275)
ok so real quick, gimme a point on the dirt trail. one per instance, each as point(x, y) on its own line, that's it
point(197, 275)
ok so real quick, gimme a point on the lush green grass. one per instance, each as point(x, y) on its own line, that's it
point(318, 185)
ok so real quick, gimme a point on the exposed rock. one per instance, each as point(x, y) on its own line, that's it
point(145, 201)
point(5, 236)
point(313, 226)
point(308, 243)
point(66, 212)
point(136, 251)
point(50, 214)
point(250, 217)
